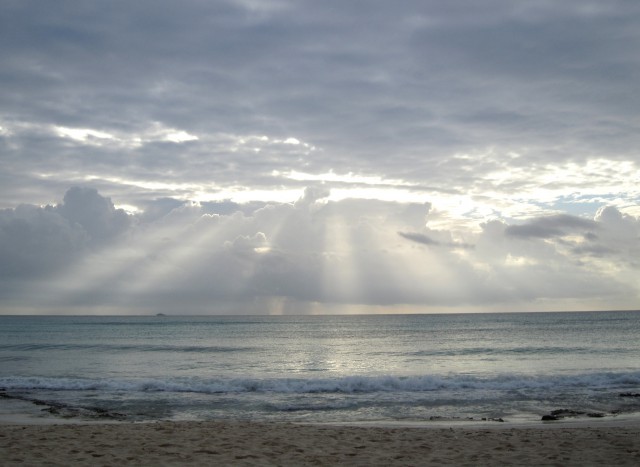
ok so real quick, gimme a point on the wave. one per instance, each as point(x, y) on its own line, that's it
point(511, 350)
point(347, 384)
point(126, 348)
point(206, 349)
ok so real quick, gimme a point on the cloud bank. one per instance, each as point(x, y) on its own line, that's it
point(315, 255)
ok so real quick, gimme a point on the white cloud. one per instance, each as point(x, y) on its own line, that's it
point(84, 135)
point(180, 137)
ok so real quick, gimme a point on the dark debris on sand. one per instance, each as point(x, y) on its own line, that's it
point(66, 410)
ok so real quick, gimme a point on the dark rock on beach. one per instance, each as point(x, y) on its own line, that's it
point(438, 418)
point(562, 413)
point(566, 413)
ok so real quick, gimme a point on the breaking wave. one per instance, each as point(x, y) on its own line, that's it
point(345, 385)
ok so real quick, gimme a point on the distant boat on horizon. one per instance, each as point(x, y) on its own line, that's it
point(160, 314)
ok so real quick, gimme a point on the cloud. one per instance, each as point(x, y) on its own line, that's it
point(430, 95)
point(41, 240)
point(426, 240)
point(551, 226)
point(418, 238)
point(314, 254)
point(36, 241)
point(95, 213)
point(619, 225)
point(431, 153)
point(312, 194)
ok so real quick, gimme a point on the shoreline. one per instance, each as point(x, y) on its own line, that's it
point(276, 443)
point(33, 435)
point(26, 410)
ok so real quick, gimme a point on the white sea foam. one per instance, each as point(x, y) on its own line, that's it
point(349, 385)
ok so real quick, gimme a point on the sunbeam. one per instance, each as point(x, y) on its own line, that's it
point(175, 257)
point(112, 269)
point(341, 274)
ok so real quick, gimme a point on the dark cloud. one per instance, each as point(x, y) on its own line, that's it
point(426, 240)
point(36, 241)
point(418, 238)
point(94, 213)
point(552, 226)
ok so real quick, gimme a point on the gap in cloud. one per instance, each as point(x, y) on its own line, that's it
point(84, 135)
point(155, 132)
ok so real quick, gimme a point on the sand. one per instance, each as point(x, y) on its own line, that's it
point(248, 443)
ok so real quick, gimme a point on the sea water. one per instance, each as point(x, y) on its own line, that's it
point(326, 369)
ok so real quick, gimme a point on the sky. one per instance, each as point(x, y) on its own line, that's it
point(276, 156)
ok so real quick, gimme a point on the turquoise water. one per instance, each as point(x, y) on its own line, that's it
point(411, 368)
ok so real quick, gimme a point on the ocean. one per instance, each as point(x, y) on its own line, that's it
point(413, 369)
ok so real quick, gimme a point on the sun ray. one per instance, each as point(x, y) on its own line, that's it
point(106, 271)
point(177, 255)
point(341, 281)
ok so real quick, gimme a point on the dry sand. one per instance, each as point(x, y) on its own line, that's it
point(247, 443)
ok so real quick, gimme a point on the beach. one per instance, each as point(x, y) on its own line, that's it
point(344, 390)
point(272, 443)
